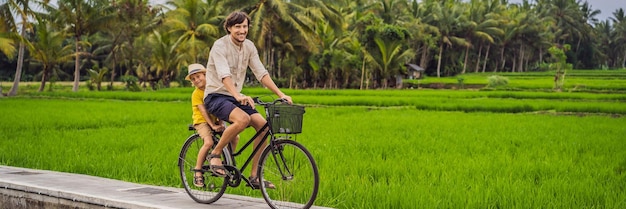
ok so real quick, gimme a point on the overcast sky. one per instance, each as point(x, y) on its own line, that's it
point(606, 7)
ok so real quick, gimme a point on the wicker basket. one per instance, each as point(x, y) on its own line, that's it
point(286, 118)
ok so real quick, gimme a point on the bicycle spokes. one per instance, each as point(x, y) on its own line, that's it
point(281, 162)
point(291, 168)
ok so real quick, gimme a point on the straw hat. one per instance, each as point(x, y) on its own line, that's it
point(193, 69)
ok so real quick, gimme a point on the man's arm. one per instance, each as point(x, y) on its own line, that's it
point(269, 83)
point(230, 87)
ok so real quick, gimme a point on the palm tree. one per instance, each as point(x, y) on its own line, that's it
point(80, 18)
point(164, 60)
point(22, 9)
point(355, 15)
point(48, 49)
point(332, 56)
point(385, 43)
point(132, 19)
point(296, 17)
point(447, 16)
point(196, 24)
point(483, 27)
point(424, 36)
point(619, 37)
point(605, 43)
point(391, 11)
point(7, 45)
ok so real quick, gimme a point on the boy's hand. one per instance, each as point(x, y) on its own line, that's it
point(218, 128)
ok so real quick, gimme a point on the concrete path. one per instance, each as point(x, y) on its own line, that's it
point(25, 187)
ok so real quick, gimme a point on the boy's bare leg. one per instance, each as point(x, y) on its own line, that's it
point(207, 139)
point(206, 147)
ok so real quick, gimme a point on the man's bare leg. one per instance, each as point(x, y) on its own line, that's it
point(240, 120)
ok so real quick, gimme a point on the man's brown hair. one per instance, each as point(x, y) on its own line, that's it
point(234, 18)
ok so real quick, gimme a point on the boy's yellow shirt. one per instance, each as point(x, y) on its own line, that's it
point(197, 98)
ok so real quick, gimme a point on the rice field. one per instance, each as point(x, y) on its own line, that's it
point(374, 149)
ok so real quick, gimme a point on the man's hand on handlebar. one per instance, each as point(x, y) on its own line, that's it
point(287, 99)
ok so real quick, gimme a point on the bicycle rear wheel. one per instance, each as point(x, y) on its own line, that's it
point(292, 169)
point(214, 186)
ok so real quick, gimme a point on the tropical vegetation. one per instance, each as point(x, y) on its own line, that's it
point(326, 44)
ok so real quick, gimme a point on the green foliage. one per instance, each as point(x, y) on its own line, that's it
point(131, 83)
point(461, 82)
point(559, 65)
point(496, 81)
point(96, 76)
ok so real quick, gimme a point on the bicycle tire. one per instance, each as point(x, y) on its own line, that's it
point(214, 186)
point(299, 188)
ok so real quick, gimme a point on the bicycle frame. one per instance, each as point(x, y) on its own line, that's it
point(268, 132)
point(276, 162)
point(235, 153)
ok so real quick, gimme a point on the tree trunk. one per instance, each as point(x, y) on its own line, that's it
point(520, 65)
point(514, 65)
point(362, 73)
point(113, 69)
point(502, 59)
point(486, 58)
point(77, 67)
point(439, 61)
point(20, 62)
point(480, 53)
point(424, 60)
point(540, 55)
point(465, 62)
point(44, 78)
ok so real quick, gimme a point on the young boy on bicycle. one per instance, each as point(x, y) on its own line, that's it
point(203, 121)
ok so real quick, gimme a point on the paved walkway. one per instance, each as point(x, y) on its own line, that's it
point(105, 193)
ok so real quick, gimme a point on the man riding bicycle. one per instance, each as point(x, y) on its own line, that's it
point(229, 59)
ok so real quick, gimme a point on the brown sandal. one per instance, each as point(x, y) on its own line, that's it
point(198, 181)
point(218, 170)
point(254, 181)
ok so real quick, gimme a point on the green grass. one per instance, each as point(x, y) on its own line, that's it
point(575, 80)
point(368, 157)
point(523, 146)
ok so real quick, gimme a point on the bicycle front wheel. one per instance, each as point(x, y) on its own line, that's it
point(214, 187)
point(292, 170)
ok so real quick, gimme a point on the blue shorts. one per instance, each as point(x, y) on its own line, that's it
point(222, 105)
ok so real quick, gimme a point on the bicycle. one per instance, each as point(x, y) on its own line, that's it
point(284, 162)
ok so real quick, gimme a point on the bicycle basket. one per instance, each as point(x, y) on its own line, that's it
point(286, 118)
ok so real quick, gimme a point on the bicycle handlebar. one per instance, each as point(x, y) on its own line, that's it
point(259, 101)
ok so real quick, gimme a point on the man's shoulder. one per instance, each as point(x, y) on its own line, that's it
point(221, 41)
point(249, 44)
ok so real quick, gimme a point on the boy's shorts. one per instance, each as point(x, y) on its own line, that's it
point(204, 130)
point(222, 105)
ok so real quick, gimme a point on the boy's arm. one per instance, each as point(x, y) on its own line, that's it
point(210, 119)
